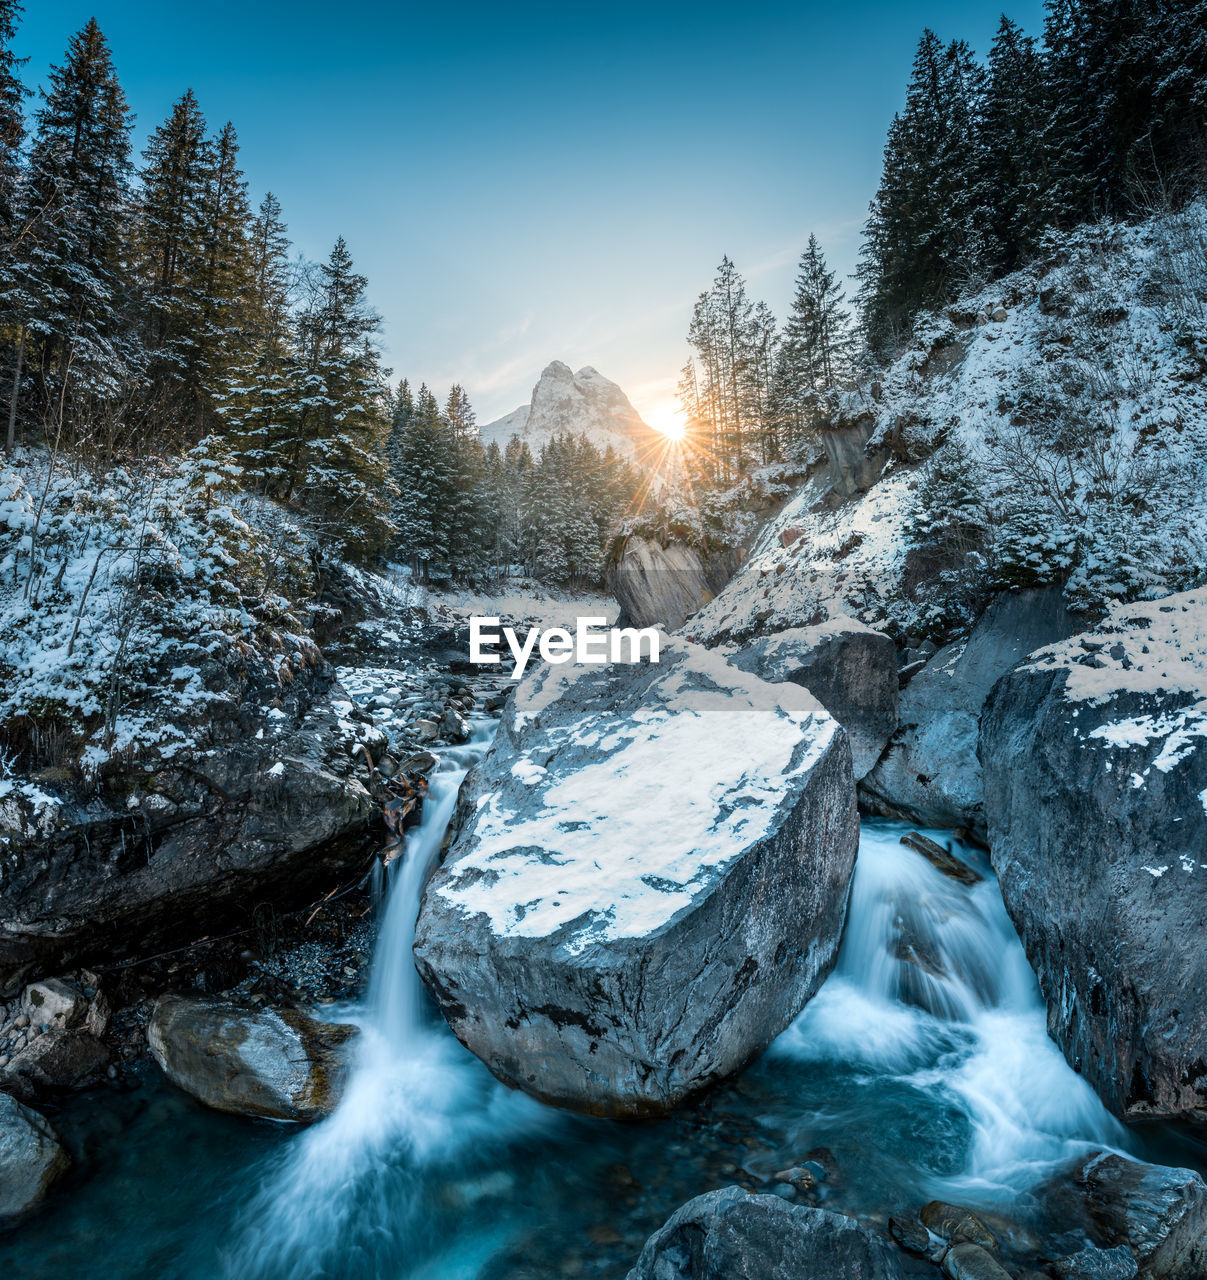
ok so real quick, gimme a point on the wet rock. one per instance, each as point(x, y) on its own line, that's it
point(1094, 780)
point(602, 957)
point(55, 1002)
point(910, 1234)
point(930, 772)
point(966, 1261)
point(278, 1063)
point(849, 668)
point(953, 1223)
point(58, 1060)
point(1158, 1212)
point(1092, 1263)
point(940, 858)
point(31, 1159)
point(733, 1235)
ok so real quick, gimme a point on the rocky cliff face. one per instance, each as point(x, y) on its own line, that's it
point(261, 802)
point(582, 403)
point(1095, 765)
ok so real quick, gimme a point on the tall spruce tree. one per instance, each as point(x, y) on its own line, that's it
point(177, 173)
point(1012, 150)
point(925, 232)
point(336, 464)
point(67, 282)
point(815, 352)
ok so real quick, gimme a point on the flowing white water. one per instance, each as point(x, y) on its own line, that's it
point(929, 1034)
point(933, 989)
point(350, 1191)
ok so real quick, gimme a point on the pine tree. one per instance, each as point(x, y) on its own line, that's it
point(12, 120)
point(173, 228)
point(425, 478)
point(335, 465)
point(816, 349)
point(13, 300)
point(924, 237)
point(66, 285)
point(1012, 151)
point(260, 407)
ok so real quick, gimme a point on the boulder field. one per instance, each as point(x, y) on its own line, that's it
point(1095, 767)
point(649, 880)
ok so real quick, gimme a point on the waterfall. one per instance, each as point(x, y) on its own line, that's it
point(923, 1063)
point(932, 990)
point(354, 1189)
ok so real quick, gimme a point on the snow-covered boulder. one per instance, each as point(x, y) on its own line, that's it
point(849, 668)
point(277, 1063)
point(31, 1159)
point(734, 1235)
point(1095, 759)
point(930, 772)
point(649, 881)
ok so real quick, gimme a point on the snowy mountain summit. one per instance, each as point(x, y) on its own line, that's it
point(582, 403)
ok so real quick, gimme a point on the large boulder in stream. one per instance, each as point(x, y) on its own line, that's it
point(280, 1064)
point(1095, 759)
point(649, 881)
point(31, 1159)
point(849, 668)
point(734, 1235)
point(930, 773)
point(188, 834)
point(662, 586)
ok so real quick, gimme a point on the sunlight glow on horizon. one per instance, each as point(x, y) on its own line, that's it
point(666, 417)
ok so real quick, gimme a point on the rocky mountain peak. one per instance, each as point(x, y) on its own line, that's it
point(582, 403)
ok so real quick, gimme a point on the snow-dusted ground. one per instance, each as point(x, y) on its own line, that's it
point(119, 596)
point(520, 601)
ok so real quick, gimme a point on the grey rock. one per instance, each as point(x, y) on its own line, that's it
point(1158, 1212)
point(967, 1261)
point(929, 772)
point(734, 1235)
point(649, 880)
point(278, 1063)
point(1094, 778)
point(909, 1233)
point(171, 848)
point(1092, 1263)
point(58, 1060)
point(31, 1159)
point(852, 467)
point(662, 586)
point(849, 668)
point(56, 1002)
point(954, 1223)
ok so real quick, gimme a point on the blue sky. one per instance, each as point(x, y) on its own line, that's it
point(530, 181)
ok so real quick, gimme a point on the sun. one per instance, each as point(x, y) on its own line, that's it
point(667, 418)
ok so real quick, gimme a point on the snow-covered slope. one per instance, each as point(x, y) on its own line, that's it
point(582, 403)
point(1049, 429)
